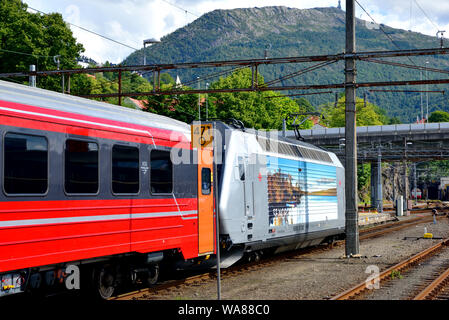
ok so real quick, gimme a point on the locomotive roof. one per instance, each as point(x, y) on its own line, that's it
point(279, 137)
point(23, 94)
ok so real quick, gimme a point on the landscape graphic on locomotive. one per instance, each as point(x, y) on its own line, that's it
point(120, 193)
point(293, 201)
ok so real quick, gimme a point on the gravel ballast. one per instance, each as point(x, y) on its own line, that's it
point(317, 275)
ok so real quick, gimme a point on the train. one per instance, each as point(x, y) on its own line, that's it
point(416, 193)
point(118, 193)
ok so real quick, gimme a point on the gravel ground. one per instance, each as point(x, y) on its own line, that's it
point(316, 276)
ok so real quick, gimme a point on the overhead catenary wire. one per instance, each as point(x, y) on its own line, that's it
point(299, 72)
point(189, 12)
point(382, 29)
point(90, 31)
point(403, 65)
point(425, 14)
point(26, 54)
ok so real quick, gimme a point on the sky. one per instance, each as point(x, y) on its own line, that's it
point(131, 21)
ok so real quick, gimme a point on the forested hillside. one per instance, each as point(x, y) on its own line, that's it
point(281, 31)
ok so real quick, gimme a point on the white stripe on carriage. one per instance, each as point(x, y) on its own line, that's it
point(32, 222)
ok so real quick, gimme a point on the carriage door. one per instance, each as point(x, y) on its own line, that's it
point(202, 139)
point(248, 186)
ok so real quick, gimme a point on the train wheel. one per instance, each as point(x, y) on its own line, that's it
point(256, 256)
point(105, 282)
point(153, 274)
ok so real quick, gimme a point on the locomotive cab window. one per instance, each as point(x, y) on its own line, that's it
point(205, 181)
point(25, 164)
point(81, 167)
point(125, 169)
point(161, 172)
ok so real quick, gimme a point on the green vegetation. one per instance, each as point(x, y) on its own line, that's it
point(396, 274)
point(259, 110)
point(367, 114)
point(32, 38)
point(439, 116)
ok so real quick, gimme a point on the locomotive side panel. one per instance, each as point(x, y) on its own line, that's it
point(283, 198)
point(232, 193)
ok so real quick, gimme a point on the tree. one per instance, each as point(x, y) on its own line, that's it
point(32, 38)
point(368, 115)
point(304, 104)
point(439, 116)
point(394, 120)
point(259, 110)
point(182, 107)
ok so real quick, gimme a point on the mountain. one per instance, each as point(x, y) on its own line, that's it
point(282, 32)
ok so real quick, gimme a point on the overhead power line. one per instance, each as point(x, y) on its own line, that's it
point(90, 31)
point(425, 14)
point(193, 14)
point(26, 54)
point(382, 29)
point(181, 8)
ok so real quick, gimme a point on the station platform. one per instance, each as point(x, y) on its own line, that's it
point(371, 218)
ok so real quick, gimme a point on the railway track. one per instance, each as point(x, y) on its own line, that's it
point(435, 258)
point(366, 233)
point(438, 289)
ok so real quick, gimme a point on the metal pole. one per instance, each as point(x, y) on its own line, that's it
point(217, 216)
point(119, 88)
point(284, 127)
point(404, 163)
point(414, 182)
point(351, 214)
point(32, 79)
point(199, 100)
point(364, 99)
point(394, 188)
point(420, 95)
point(207, 104)
point(379, 195)
point(154, 80)
point(427, 97)
point(252, 76)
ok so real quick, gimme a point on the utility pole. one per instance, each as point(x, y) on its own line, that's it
point(351, 214)
point(150, 42)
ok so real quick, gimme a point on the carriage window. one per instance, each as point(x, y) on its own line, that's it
point(205, 181)
point(26, 164)
point(161, 172)
point(81, 167)
point(125, 169)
